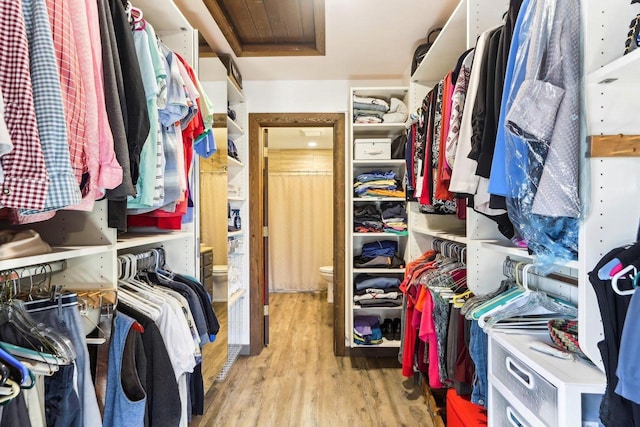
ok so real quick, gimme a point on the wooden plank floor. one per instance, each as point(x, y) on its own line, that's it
point(214, 355)
point(297, 381)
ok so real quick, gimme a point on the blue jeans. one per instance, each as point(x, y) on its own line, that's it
point(478, 350)
point(66, 320)
point(62, 404)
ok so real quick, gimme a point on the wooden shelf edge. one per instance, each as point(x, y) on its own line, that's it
point(614, 145)
point(434, 410)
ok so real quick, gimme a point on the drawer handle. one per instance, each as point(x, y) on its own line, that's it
point(519, 373)
point(374, 152)
point(513, 418)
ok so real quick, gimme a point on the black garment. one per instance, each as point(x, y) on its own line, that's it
point(212, 321)
point(483, 120)
point(134, 367)
point(163, 398)
point(378, 262)
point(133, 103)
point(113, 87)
point(393, 210)
point(15, 413)
point(615, 411)
point(456, 71)
point(132, 98)
point(196, 384)
point(490, 130)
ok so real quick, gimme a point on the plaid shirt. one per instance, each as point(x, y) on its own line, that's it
point(63, 189)
point(73, 95)
point(25, 175)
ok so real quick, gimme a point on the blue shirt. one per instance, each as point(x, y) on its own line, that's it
point(507, 176)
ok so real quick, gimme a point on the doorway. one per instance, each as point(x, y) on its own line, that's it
point(257, 160)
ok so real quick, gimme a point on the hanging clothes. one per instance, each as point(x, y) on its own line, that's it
point(26, 180)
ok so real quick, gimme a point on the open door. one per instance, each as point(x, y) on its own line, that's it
point(265, 232)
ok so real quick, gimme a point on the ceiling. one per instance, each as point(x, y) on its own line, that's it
point(299, 138)
point(364, 40)
point(271, 27)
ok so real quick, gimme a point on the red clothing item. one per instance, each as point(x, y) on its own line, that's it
point(462, 413)
point(409, 342)
point(444, 173)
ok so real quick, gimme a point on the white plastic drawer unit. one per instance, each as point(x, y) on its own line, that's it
point(372, 148)
point(505, 413)
point(534, 392)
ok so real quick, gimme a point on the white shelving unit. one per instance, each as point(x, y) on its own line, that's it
point(83, 241)
point(238, 254)
point(611, 79)
point(356, 240)
point(605, 185)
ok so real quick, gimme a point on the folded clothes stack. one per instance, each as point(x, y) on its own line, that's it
point(377, 291)
point(378, 184)
point(378, 110)
point(366, 330)
point(379, 254)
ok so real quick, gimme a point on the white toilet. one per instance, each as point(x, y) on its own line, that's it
point(219, 273)
point(326, 272)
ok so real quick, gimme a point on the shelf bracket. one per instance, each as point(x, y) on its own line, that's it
point(614, 146)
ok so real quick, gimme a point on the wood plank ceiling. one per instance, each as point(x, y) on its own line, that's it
point(271, 27)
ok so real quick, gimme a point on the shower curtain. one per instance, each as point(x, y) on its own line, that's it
point(300, 230)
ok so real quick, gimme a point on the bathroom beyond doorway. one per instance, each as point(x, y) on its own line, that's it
point(257, 122)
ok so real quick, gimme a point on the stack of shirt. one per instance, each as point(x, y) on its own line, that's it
point(378, 184)
point(377, 110)
point(366, 330)
point(367, 219)
point(379, 254)
point(394, 217)
point(369, 110)
point(377, 291)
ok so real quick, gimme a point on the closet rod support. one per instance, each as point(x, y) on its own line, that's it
point(614, 145)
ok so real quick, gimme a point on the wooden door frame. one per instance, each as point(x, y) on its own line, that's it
point(257, 121)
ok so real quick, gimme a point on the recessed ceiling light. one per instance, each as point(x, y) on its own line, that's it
point(312, 144)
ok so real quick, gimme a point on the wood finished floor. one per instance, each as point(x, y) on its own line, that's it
point(297, 381)
point(214, 355)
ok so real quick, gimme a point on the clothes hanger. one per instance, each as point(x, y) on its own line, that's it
point(17, 371)
point(533, 300)
point(623, 274)
point(15, 390)
point(144, 289)
point(15, 314)
point(134, 299)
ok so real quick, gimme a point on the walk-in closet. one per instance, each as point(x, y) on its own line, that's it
point(319, 213)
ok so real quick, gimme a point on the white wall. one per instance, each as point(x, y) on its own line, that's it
point(304, 96)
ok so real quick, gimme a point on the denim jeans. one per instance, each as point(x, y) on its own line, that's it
point(62, 403)
point(66, 320)
point(478, 350)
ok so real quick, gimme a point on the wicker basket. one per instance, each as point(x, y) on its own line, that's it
point(564, 333)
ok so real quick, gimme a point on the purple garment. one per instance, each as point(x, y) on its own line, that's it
point(363, 324)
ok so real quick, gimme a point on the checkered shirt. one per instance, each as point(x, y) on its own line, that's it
point(25, 175)
point(63, 188)
point(73, 96)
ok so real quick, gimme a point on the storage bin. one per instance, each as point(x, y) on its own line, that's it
point(372, 149)
point(536, 393)
point(504, 414)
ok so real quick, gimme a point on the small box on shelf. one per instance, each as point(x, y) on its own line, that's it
point(372, 148)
